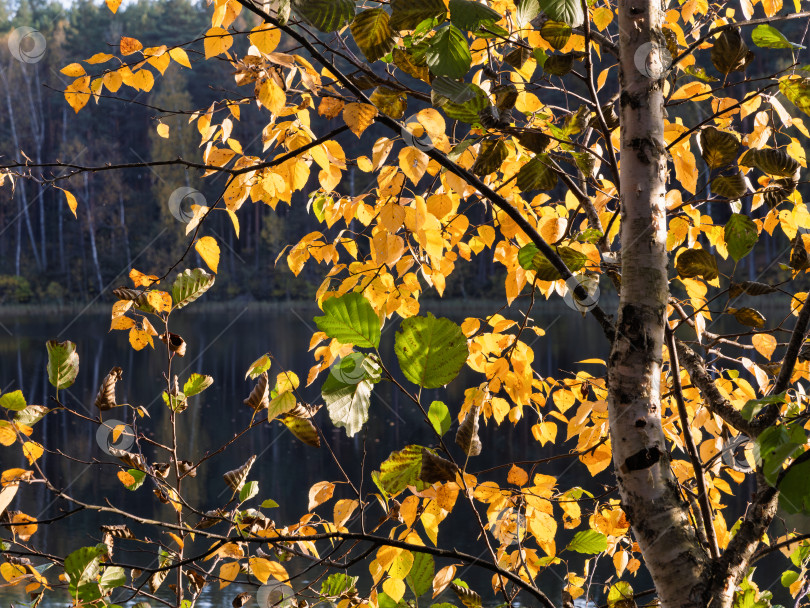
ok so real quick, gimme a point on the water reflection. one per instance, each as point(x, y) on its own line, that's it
point(223, 345)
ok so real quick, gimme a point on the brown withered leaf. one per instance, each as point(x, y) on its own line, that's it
point(196, 581)
point(175, 343)
point(156, 580)
point(187, 468)
point(125, 293)
point(210, 518)
point(436, 469)
point(241, 599)
point(161, 469)
point(105, 399)
point(134, 461)
point(467, 435)
point(260, 395)
point(303, 410)
point(113, 532)
point(236, 478)
point(751, 288)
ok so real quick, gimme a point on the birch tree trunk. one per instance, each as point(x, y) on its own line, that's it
point(650, 496)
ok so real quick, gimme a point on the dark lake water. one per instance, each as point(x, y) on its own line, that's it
point(223, 344)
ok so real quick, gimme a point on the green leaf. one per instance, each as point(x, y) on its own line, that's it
point(439, 416)
point(490, 157)
point(83, 566)
point(138, 476)
point(767, 37)
point(730, 186)
point(372, 33)
point(748, 316)
point(794, 488)
point(63, 363)
point(350, 319)
point(740, 235)
point(401, 470)
point(589, 542)
point(774, 446)
point(469, 15)
point(556, 33)
point(468, 111)
point(30, 415)
point(697, 263)
point(258, 367)
point(420, 578)
point(248, 491)
point(269, 504)
point(530, 258)
point(112, 577)
point(536, 175)
point(325, 15)
point(789, 577)
point(752, 407)
point(559, 65)
point(699, 73)
point(620, 595)
point(348, 398)
point(567, 11)
point(730, 53)
point(337, 584)
point(190, 285)
point(526, 11)
point(281, 404)
point(407, 14)
point(13, 401)
point(771, 161)
point(431, 351)
point(797, 90)
point(448, 53)
point(196, 384)
point(718, 148)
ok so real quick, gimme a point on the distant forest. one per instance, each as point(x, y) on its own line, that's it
point(47, 255)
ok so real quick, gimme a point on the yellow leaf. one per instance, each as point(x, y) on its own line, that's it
point(442, 579)
point(71, 201)
point(413, 163)
point(765, 344)
point(163, 130)
point(23, 532)
point(235, 221)
point(209, 251)
point(138, 338)
point(602, 17)
point(77, 94)
point(140, 279)
point(272, 96)
point(130, 45)
point(180, 56)
point(12, 572)
point(320, 493)
point(32, 451)
point(228, 573)
point(265, 38)
point(113, 5)
point(74, 70)
point(394, 588)
point(99, 58)
point(263, 569)
point(217, 41)
point(694, 91)
point(545, 432)
point(359, 116)
point(517, 476)
point(343, 511)
point(159, 300)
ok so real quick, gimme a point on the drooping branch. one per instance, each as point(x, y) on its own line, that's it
point(496, 199)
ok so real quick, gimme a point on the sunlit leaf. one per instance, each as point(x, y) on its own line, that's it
point(350, 319)
point(431, 351)
point(63, 363)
